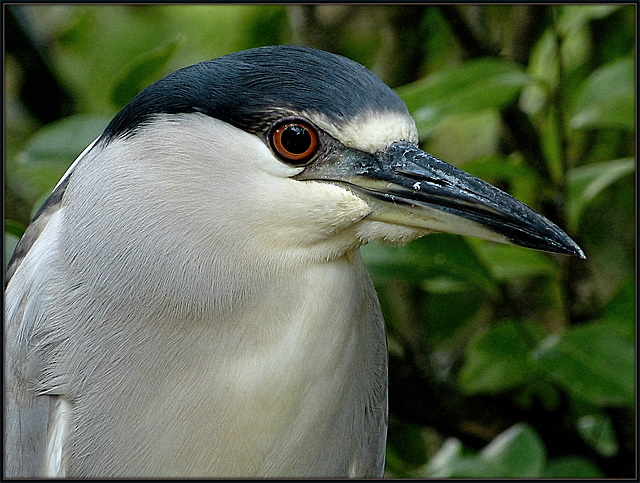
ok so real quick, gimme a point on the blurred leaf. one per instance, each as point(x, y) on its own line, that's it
point(576, 48)
point(538, 393)
point(598, 432)
point(486, 83)
point(460, 138)
point(576, 40)
point(50, 152)
point(573, 17)
point(522, 181)
point(551, 143)
point(267, 25)
point(407, 443)
point(607, 98)
point(455, 283)
point(14, 228)
point(448, 305)
point(449, 461)
point(427, 258)
point(499, 359)
point(508, 262)
point(572, 467)
point(594, 362)
point(543, 68)
point(518, 452)
point(584, 183)
point(621, 309)
point(142, 71)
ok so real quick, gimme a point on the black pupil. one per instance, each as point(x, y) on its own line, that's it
point(296, 139)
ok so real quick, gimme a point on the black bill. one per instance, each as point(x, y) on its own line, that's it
point(406, 186)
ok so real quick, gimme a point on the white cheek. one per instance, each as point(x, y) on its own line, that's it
point(199, 145)
point(311, 215)
point(253, 148)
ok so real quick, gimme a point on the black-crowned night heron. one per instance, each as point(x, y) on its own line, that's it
point(190, 301)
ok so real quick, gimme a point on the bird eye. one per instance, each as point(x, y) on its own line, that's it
point(294, 141)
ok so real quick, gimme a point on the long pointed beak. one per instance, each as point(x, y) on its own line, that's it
point(406, 186)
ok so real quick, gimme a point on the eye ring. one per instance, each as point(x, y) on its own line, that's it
point(294, 141)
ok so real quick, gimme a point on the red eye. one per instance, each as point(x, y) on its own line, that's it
point(295, 141)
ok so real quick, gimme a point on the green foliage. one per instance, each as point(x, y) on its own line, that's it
point(593, 362)
point(476, 85)
point(141, 72)
point(569, 106)
point(532, 355)
point(408, 447)
point(518, 452)
point(606, 99)
point(499, 359)
point(508, 262)
point(428, 258)
point(621, 309)
point(597, 430)
point(572, 467)
point(584, 183)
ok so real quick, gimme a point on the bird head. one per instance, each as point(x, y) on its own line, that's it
point(292, 149)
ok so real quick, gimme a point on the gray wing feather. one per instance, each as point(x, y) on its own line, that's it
point(27, 415)
point(27, 411)
point(26, 436)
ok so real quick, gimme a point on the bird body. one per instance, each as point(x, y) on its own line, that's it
point(191, 300)
point(236, 370)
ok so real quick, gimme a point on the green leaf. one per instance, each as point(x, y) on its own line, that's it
point(621, 309)
point(448, 305)
point(594, 362)
point(518, 452)
point(14, 228)
point(576, 49)
point(572, 467)
point(499, 359)
point(486, 83)
point(584, 183)
point(574, 17)
point(467, 136)
point(510, 262)
point(607, 98)
point(538, 394)
point(597, 430)
point(428, 257)
point(449, 461)
point(142, 71)
point(407, 443)
point(50, 152)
